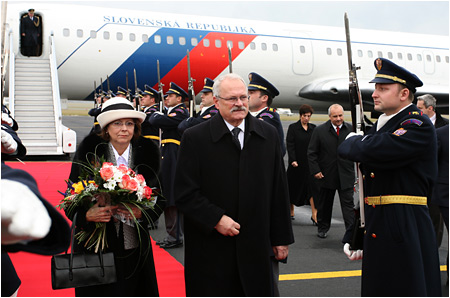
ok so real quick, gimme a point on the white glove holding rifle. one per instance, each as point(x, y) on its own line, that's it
point(353, 255)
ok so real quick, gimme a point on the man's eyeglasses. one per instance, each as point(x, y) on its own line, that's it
point(118, 124)
point(243, 98)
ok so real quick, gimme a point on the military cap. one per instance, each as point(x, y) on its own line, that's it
point(121, 90)
point(150, 91)
point(388, 73)
point(31, 10)
point(175, 89)
point(257, 82)
point(208, 87)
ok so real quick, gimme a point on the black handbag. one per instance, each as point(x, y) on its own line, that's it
point(82, 269)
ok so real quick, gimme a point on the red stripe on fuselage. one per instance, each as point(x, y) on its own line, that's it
point(206, 61)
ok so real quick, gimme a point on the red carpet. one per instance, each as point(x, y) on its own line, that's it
point(34, 270)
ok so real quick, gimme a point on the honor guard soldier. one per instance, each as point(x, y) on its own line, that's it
point(149, 105)
point(208, 108)
point(121, 92)
point(94, 112)
point(398, 161)
point(260, 96)
point(168, 122)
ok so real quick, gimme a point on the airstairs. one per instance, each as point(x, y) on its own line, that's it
point(35, 104)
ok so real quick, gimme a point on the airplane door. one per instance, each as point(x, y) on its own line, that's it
point(302, 54)
point(428, 60)
point(31, 35)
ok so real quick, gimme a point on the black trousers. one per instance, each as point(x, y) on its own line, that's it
point(325, 207)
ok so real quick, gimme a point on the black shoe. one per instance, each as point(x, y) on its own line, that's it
point(159, 242)
point(172, 244)
point(322, 235)
point(292, 217)
point(314, 222)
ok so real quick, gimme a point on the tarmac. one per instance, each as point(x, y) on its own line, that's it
point(316, 267)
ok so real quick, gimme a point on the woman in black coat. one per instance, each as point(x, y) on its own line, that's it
point(302, 187)
point(120, 137)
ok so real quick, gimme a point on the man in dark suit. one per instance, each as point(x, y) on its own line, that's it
point(332, 172)
point(398, 160)
point(233, 194)
point(30, 31)
point(427, 104)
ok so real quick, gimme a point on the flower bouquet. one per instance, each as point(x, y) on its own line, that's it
point(107, 185)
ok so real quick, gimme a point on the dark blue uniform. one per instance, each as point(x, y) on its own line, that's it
point(150, 131)
point(399, 167)
point(271, 116)
point(192, 121)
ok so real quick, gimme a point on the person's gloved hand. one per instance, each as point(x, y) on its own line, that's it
point(353, 255)
point(352, 134)
point(9, 145)
point(24, 217)
point(7, 120)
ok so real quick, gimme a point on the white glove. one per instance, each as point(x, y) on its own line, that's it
point(352, 134)
point(6, 119)
point(9, 145)
point(158, 113)
point(353, 255)
point(24, 216)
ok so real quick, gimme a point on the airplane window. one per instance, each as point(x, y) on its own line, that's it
point(157, 39)
point(370, 54)
point(229, 44)
point(339, 52)
point(275, 47)
point(302, 49)
point(93, 34)
point(182, 41)
point(263, 46)
point(218, 43)
point(132, 37)
point(80, 33)
point(119, 36)
point(390, 55)
point(329, 51)
point(360, 53)
point(106, 35)
point(194, 41)
point(241, 45)
point(66, 32)
point(380, 55)
point(428, 58)
point(419, 57)
point(169, 39)
point(446, 59)
point(144, 38)
point(252, 46)
point(438, 59)
point(400, 56)
point(409, 57)
point(206, 42)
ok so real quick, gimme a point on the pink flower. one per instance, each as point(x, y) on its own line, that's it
point(140, 178)
point(129, 183)
point(123, 169)
point(106, 172)
point(147, 192)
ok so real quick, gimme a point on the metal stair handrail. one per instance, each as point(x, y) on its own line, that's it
point(55, 91)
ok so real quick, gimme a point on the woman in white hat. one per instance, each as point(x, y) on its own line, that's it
point(120, 142)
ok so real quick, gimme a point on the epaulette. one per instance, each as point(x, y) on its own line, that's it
point(272, 110)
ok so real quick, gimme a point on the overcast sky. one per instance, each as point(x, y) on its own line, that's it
point(428, 17)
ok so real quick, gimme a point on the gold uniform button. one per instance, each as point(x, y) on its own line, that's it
point(364, 177)
point(372, 175)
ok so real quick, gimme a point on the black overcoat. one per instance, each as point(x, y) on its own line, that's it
point(323, 157)
point(143, 281)
point(32, 30)
point(214, 178)
point(400, 251)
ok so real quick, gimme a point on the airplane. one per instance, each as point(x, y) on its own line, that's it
point(307, 63)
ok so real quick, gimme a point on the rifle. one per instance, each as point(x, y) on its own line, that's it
point(109, 89)
point(136, 92)
point(230, 60)
point(101, 89)
point(95, 95)
point(358, 126)
point(161, 96)
point(191, 93)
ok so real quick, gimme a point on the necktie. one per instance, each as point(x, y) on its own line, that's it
point(236, 132)
point(337, 130)
point(121, 161)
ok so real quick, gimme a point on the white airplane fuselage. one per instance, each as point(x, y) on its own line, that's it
point(308, 64)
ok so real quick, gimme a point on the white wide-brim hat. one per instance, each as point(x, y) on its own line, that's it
point(118, 108)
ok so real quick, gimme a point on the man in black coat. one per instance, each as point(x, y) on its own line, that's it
point(398, 161)
point(332, 172)
point(30, 30)
point(234, 197)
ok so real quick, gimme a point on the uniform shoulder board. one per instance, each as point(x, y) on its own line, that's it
point(412, 121)
point(416, 113)
point(272, 110)
point(24, 16)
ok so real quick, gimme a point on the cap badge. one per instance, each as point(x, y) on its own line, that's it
point(379, 64)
